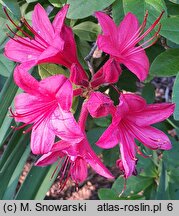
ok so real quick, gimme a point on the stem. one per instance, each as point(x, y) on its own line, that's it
point(83, 116)
point(89, 57)
point(171, 123)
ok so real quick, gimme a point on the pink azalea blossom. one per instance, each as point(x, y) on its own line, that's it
point(52, 42)
point(131, 120)
point(40, 105)
point(120, 42)
point(99, 105)
point(76, 158)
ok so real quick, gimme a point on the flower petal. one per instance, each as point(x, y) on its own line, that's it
point(152, 114)
point(127, 150)
point(42, 138)
point(41, 23)
point(109, 73)
point(96, 163)
point(58, 21)
point(47, 159)
point(137, 62)
point(65, 126)
point(25, 81)
point(23, 50)
point(109, 138)
point(151, 137)
point(126, 31)
point(99, 105)
point(59, 88)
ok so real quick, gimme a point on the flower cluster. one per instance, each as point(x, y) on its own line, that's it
point(46, 105)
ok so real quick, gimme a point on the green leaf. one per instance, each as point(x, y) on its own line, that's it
point(175, 97)
point(175, 1)
point(110, 156)
point(56, 3)
point(6, 66)
point(148, 92)
point(107, 194)
point(170, 29)
point(163, 190)
point(166, 64)
point(117, 11)
point(82, 8)
point(46, 70)
point(87, 30)
point(37, 183)
point(102, 122)
point(12, 6)
point(135, 184)
point(173, 9)
point(139, 8)
point(93, 135)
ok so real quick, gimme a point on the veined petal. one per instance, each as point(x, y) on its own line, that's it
point(108, 26)
point(59, 88)
point(41, 23)
point(48, 159)
point(22, 50)
point(109, 138)
point(99, 105)
point(152, 114)
point(65, 126)
point(96, 163)
point(25, 81)
point(138, 63)
point(28, 108)
point(42, 137)
point(127, 150)
point(125, 30)
point(151, 137)
point(58, 21)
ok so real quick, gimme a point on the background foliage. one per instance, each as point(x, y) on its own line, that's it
point(158, 175)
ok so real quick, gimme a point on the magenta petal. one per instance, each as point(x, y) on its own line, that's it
point(59, 88)
point(127, 149)
point(58, 21)
point(109, 73)
point(138, 63)
point(21, 51)
point(47, 159)
point(65, 126)
point(152, 114)
point(41, 23)
point(99, 105)
point(25, 81)
point(151, 137)
point(126, 30)
point(79, 170)
point(109, 138)
point(42, 138)
point(28, 108)
point(96, 163)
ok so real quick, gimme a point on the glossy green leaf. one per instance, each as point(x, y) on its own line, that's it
point(82, 8)
point(139, 8)
point(170, 29)
point(39, 179)
point(135, 184)
point(148, 92)
point(110, 156)
point(12, 6)
point(87, 31)
point(173, 9)
point(107, 194)
point(163, 188)
point(175, 97)
point(102, 122)
point(6, 66)
point(56, 3)
point(175, 1)
point(117, 11)
point(166, 64)
point(46, 70)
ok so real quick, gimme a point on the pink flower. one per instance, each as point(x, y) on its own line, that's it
point(40, 105)
point(131, 120)
point(120, 42)
point(76, 158)
point(99, 105)
point(52, 43)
